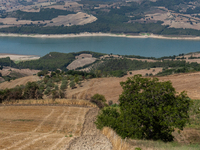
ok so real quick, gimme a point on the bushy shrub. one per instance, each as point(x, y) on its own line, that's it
point(43, 73)
point(56, 87)
point(50, 83)
point(61, 94)
point(98, 97)
point(64, 85)
point(55, 94)
point(110, 102)
point(76, 79)
point(107, 117)
point(47, 91)
point(72, 84)
point(99, 100)
point(30, 90)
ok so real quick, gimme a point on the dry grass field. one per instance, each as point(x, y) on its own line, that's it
point(111, 89)
point(39, 127)
point(20, 81)
point(72, 19)
point(26, 72)
point(50, 127)
point(81, 60)
point(79, 18)
point(174, 20)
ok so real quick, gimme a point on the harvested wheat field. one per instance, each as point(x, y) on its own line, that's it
point(49, 127)
point(111, 89)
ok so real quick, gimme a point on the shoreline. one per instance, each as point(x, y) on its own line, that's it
point(19, 57)
point(99, 34)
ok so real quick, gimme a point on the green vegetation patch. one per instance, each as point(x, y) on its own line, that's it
point(54, 61)
point(7, 62)
point(53, 85)
point(44, 14)
point(194, 113)
point(23, 120)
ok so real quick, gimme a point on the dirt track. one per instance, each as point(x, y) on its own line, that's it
point(91, 138)
point(47, 127)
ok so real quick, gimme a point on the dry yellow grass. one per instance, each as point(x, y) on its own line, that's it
point(20, 81)
point(50, 101)
point(117, 142)
point(40, 127)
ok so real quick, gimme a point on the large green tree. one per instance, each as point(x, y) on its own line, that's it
point(150, 109)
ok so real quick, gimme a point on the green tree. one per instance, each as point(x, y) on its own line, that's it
point(72, 84)
point(76, 79)
point(42, 73)
point(64, 85)
point(31, 90)
point(150, 109)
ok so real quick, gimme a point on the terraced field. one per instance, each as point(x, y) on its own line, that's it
point(40, 127)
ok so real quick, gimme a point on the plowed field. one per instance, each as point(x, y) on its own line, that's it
point(39, 127)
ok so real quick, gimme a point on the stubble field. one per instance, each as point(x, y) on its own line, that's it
point(40, 127)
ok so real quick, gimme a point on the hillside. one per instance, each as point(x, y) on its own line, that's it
point(172, 17)
point(20, 81)
point(111, 89)
point(69, 123)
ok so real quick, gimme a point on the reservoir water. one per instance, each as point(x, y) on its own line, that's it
point(116, 45)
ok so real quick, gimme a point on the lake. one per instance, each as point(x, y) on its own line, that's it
point(116, 45)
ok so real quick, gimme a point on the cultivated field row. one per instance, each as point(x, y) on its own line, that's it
point(39, 127)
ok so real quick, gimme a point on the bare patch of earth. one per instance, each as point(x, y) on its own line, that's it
point(14, 22)
point(16, 57)
point(91, 137)
point(81, 60)
point(72, 19)
point(79, 18)
point(26, 72)
point(174, 20)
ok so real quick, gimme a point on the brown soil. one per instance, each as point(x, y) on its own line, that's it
point(91, 137)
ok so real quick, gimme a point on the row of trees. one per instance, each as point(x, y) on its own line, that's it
point(53, 85)
point(119, 67)
point(29, 91)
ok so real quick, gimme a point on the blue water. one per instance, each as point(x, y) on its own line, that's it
point(116, 45)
